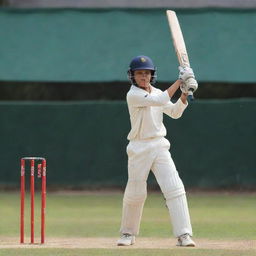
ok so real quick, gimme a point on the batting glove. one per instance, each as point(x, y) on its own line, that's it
point(184, 88)
point(185, 73)
point(189, 85)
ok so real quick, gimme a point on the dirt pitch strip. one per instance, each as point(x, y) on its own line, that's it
point(141, 243)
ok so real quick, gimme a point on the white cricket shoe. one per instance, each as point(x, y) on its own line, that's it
point(126, 239)
point(186, 241)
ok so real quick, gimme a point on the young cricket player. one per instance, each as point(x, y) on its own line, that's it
point(148, 149)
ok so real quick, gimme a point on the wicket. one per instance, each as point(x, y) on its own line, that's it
point(41, 171)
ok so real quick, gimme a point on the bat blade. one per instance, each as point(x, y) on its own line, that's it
point(177, 38)
point(178, 42)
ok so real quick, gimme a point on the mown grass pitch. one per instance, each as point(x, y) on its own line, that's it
point(219, 217)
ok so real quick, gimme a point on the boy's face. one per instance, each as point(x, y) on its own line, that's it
point(142, 78)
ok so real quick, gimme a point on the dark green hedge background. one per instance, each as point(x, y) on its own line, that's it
point(213, 144)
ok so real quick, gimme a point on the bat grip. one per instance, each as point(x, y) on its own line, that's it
point(190, 96)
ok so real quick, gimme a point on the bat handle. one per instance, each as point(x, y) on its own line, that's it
point(190, 96)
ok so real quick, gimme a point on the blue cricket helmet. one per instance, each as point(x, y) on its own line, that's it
point(139, 63)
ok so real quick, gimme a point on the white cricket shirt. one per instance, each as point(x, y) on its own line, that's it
point(146, 112)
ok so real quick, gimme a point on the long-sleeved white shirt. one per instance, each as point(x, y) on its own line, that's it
point(146, 112)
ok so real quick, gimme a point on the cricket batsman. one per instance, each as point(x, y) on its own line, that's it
point(148, 149)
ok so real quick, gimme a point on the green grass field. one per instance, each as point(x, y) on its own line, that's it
point(72, 216)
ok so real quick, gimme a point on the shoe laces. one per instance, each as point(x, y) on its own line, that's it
point(184, 236)
point(126, 235)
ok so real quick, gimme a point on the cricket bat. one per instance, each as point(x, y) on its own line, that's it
point(178, 43)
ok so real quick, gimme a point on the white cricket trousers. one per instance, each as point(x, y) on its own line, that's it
point(143, 156)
